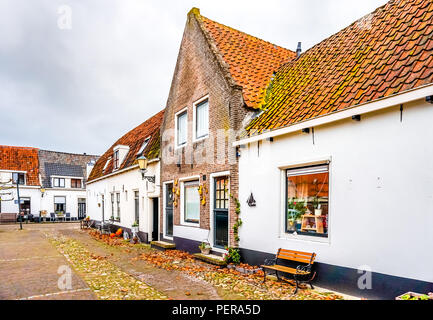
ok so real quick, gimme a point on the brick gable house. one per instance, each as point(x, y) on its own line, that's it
point(219, 81)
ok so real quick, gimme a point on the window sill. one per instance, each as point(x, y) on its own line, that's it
point(191, 224)
point(200, 139)
point(304, 237)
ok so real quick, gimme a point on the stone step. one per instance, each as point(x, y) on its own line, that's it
point(162, 245)
point(211, 258)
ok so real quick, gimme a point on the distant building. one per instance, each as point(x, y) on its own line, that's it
point(49, 181)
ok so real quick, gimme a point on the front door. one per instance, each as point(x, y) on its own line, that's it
point(82, 209)
point(221, 212)
point(137, 207)
point(25, 206)
point(169, 210)
point(155, 205)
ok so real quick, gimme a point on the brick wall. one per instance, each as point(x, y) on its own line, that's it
point(198, 74)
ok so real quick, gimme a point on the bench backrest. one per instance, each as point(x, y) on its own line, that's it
point(297, 256)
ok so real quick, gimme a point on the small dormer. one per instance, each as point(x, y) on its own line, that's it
point(119, 154)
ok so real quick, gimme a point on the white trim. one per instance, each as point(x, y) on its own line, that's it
point(194, 119)
point(11, 171)
point(182, 202)
point(67, 177)
point(176, 146)
point(375, 105)
point(282, 220)
point(211, 206)
point(164, 219)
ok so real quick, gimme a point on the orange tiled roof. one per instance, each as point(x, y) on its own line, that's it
point(21, 159)
point(251, 61)
point(134, 139)
point(384, 53)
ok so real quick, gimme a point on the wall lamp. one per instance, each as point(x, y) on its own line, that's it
point(43, 192)
point(429, 99)
point(356, 118)
point(142, 163)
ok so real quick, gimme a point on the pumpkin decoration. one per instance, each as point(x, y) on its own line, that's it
point(112, 235)
point(119, 232)
point(200, 190)
point(203, 200)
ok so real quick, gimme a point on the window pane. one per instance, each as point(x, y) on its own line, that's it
point(202, 111)
point(181, 128)
point(192, 204)
point(307, 200)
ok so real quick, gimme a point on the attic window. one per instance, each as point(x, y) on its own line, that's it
point(106, 163)
point(116, 159)
point(145, 143)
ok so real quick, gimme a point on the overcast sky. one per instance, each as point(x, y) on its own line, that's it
point(79, 89)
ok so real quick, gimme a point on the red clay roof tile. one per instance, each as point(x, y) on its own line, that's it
point(386, 52)
point(134, 139)
point(21, 159)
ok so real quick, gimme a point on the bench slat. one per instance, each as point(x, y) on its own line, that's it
point(298, 256)
point(285, 269)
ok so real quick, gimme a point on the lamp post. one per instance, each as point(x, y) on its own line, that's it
point(142, 163)
point(19, 202)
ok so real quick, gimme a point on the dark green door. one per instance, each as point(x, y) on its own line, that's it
point(169, 210)
point(221, 212)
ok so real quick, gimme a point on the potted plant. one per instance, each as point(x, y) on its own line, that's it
point(296, 209)
point(112, 218)
point(205, 247)
point(317, 207)
point(134, 227)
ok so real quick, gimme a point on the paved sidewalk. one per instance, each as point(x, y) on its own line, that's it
point(29, 265)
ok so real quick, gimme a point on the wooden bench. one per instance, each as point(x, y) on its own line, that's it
point(8, 217)
point(301, 274)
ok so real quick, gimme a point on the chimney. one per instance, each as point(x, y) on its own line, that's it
point(299, 49)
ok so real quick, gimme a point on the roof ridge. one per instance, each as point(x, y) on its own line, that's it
point(249, 35)
point(18, 147)
point(71, 153)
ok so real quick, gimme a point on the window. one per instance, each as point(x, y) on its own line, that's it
point(118, 206)
point(76, 183)
point(59, 182)
point(59, 204)
point(202, 119)
point(307, 191)
point(145, 143)
point(181, 124)
point(106, 164)
point(116, 159)
point(18, 177)
point(191, 202)
point(112, 205)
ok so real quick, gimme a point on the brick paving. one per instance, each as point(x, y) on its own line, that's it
point(29, 265)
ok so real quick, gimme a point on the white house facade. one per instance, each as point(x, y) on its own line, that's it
point(119, 193)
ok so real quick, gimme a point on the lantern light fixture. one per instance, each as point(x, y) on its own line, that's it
point(142, 164)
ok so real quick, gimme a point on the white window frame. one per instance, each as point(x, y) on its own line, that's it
point(176, 116)
point(116, 167)
point(59, 186)
point(182, 202)
point(194, 123)
point(19, 172)
point(282, 221)
point(143, 145)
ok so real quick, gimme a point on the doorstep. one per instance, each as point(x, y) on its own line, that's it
point(162, 245)
point(211, 258)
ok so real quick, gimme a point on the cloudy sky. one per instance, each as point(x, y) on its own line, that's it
point(79, 86)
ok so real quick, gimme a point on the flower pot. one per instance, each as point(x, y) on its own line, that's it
point(134, 229)
point(318, 212)
point(205, 251)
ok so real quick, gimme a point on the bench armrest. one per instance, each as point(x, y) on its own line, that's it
point(303, 269)
point(270, 262)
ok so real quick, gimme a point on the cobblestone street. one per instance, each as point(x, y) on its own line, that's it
point(33, 263)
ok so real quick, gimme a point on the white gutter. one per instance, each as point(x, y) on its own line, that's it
point(119, 172)
point(375, 105)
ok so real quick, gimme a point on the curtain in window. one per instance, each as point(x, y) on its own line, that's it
point(181, 128)
point(202, 112)
point(192, 203)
